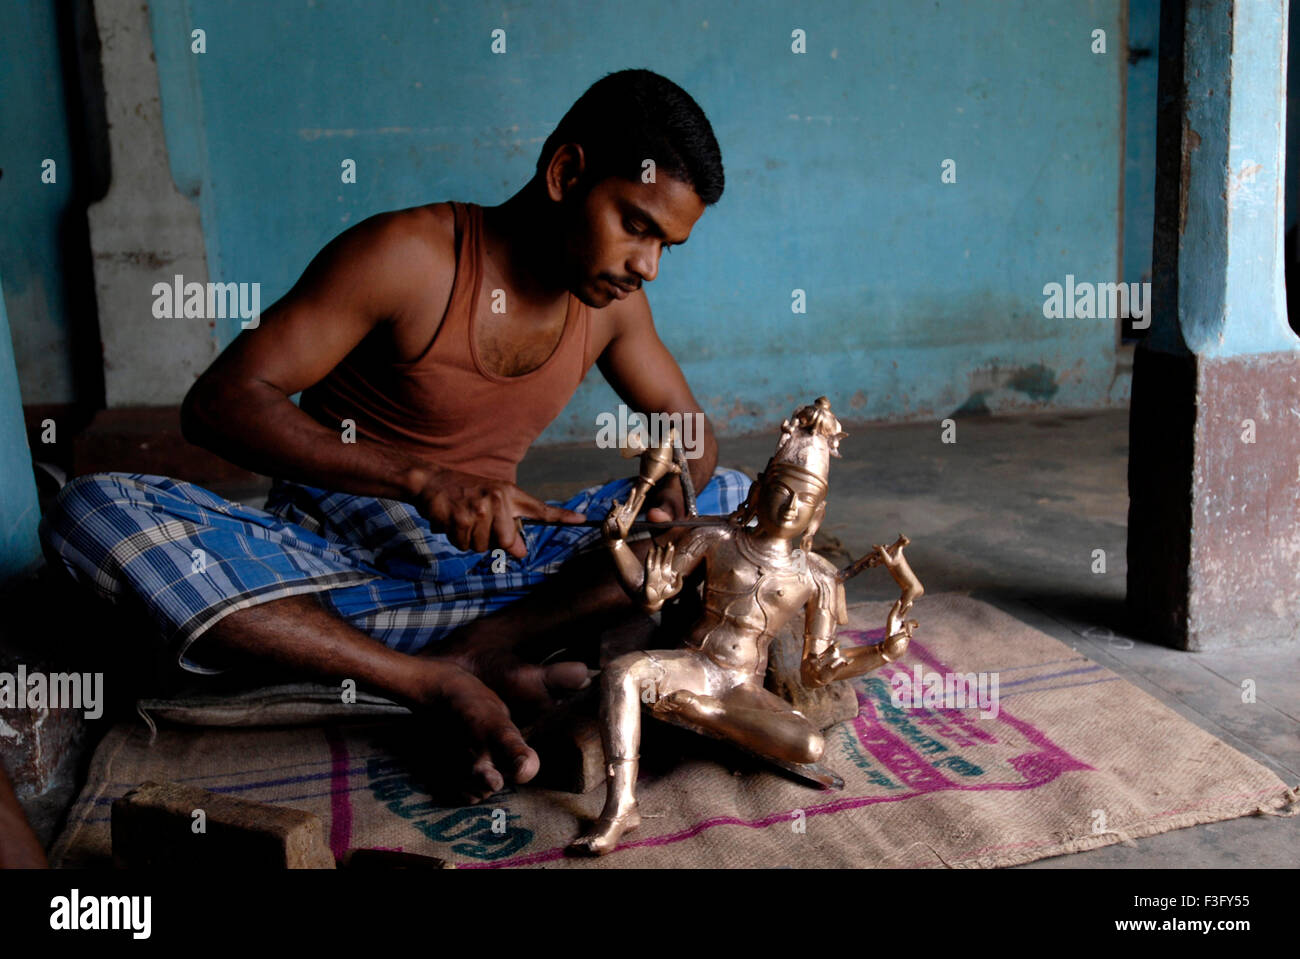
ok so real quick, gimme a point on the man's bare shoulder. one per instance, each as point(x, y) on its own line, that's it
point(396, 267)
point(421, 237)
point(631, 313)
point(620, 318)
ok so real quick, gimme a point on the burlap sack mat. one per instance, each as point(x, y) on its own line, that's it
point(1075, 758)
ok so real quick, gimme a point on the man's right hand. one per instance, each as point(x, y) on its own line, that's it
point(478, 514)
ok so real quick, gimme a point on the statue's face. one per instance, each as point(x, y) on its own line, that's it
point(787, 503)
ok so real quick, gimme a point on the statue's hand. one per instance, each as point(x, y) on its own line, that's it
point(885, 557)
point(618, 521)
point(662, 581)
point(828, 662)
point(833, 656)
point(900, 636)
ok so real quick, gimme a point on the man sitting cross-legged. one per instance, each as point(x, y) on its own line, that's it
point(373, 560)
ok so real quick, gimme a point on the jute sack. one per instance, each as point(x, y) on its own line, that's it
point(1068, 757)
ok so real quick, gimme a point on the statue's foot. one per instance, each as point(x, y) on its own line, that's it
point(603, 835)
point(689, 705)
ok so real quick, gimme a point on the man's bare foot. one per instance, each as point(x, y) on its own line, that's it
point(603, 835)
point(524, 686)
point(496, 750)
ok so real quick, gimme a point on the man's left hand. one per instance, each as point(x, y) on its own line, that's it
point(665, 501)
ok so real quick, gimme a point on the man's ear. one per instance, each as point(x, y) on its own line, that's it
point(564, 172)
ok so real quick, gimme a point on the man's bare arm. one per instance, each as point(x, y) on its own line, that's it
point(386, 275)
point(240, 406)
point(647, 378)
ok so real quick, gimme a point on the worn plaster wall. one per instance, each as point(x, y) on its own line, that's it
point(35, 199)
point(923, 298)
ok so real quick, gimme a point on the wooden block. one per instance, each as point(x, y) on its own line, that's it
point(569, 747)
point(35, 741)
point(154, 825)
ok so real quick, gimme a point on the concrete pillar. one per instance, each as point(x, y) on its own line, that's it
point(143, 231)
point(1214, 463)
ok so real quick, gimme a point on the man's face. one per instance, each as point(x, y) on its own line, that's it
point(618, 230)
point(787, 503)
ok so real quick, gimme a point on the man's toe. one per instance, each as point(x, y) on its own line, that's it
point(517, 756)
point(567, 676)
point(509, 752)
point(486, 778)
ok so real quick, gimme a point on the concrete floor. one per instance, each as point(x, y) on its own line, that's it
point(1013, 511)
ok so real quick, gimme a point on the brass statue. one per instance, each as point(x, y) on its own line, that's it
point(756, 578)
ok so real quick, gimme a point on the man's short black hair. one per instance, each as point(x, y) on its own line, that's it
point(630, 116)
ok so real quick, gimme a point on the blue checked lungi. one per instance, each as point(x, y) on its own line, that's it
point(189, 557)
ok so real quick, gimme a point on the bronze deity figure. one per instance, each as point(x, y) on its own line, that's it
point(759, 570)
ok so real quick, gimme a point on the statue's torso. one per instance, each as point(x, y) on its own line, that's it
point(747, 600)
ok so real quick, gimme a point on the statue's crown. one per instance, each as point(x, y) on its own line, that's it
point(809, 438)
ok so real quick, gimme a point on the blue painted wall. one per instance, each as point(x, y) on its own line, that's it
point(922, 297)
point(20, 550)
point(33, 126)
point(1140, 139)
point(1292, 116)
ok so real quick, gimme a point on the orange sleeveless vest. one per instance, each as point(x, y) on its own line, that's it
point(444, 406)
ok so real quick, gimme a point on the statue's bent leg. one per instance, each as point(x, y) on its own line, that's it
point(756, 719)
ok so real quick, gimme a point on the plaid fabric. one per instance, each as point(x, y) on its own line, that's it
point(189, 557)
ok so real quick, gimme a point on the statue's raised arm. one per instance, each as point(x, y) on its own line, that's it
point(823, 659)
point(656, 463)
